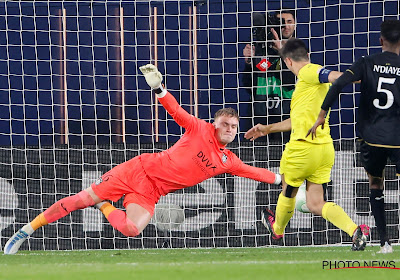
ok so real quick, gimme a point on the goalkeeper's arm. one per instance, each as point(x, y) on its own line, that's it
point(154, 78)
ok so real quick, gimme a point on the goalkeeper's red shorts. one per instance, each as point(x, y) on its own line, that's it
point(129, 179)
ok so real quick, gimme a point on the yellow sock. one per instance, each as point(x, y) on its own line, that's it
point(38, 222)
point(284, 211)
point(106, 209)
point(335, 214)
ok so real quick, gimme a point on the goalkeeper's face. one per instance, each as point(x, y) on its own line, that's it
point(225, 129)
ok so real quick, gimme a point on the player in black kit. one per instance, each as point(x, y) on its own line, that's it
point(378, 119)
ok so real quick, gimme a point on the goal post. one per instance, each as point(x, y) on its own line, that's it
point(73, 104)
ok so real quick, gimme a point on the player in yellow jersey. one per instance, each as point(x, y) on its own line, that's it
point(306, 158)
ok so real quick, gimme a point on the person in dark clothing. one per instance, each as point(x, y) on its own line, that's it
point(270, 88)
point(378, 116)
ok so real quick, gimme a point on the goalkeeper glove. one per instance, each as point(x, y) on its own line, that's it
point(152, 75)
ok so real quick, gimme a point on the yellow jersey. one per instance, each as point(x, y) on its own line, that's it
point(305, 106)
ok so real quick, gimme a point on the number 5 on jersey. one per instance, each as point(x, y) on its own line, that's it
point(389, 94)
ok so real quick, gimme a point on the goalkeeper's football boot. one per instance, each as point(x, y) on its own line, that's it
point(13, 244)
point(268, 220)
point(386, 249)
point(360, 238)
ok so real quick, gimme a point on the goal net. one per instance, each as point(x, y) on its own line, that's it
point(73, 104)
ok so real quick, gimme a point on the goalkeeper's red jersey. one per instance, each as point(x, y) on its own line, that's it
point(196, 157)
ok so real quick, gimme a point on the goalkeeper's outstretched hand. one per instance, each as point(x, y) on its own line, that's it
point(152, 75)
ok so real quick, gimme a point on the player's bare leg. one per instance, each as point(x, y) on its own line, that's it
point(138, 215)
point(58, 210)
point(129, 223)
point(315, 198)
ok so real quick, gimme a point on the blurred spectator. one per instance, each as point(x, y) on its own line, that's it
point(266, 77)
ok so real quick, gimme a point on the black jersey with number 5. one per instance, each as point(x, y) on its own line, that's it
point(378, 119)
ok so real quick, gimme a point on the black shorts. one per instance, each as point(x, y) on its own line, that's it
point(374, 159)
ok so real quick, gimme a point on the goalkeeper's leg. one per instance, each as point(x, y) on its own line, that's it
point(129, 223)
point(58, 210)
point(139, 210)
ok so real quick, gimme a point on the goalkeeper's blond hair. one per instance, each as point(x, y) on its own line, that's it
point(226, 112)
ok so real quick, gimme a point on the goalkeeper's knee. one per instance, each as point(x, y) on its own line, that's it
point(122, 223)
point(130, 230)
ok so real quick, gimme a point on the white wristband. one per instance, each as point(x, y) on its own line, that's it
point(163, 93)
point(160, 91)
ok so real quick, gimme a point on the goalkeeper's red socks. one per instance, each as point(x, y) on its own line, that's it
point(106, 208)
point(62, 208)
point(119, 220)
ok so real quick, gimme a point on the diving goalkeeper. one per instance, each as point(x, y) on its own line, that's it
point(200, 154)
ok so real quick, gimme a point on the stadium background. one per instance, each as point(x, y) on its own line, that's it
point(40, 169)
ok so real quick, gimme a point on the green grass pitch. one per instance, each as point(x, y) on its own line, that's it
point(241, 263)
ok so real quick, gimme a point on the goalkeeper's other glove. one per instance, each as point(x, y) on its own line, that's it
point(152, 75)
